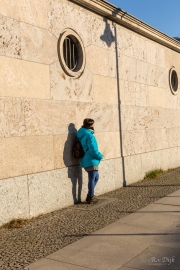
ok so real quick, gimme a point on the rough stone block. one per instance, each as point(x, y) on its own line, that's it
point(151, 161)
point(173, 158)
point(19, 78)
point(141, 95)
point(32, 12)
point(14, 199)
point(131, 44)
point(172, 100)
point(173, 137)
point(48, 117)
point(165, 165)
point(64, 87)
point(12, 117)
point(135, 142)
point(128, 68)
point(162, 80)
point(59, 18)
point(129, 93)
point(105, 89)
point(24, 155)
point(156, 54)
point(113, 64)
point(97, 60)
point(101, 113)
point(51, 190)
point(109, 144)
point(142, 71)
point(129, 117)
point(10, 40)
point(133, 172)
point(152, 78)
point(157, 97)
point(106, 181)
point(115, 117)
point(38, 45)
point(144, 118)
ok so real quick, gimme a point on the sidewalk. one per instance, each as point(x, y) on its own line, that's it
point(147, 239)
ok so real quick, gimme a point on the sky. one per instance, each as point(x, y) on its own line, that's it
point(164, 15)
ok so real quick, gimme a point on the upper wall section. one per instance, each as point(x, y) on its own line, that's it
point(115, 14)
point(30, 11)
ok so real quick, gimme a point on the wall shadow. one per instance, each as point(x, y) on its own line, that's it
point(74, 169)
point(107, 36)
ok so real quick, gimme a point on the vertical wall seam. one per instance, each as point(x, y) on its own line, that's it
point(28, 196)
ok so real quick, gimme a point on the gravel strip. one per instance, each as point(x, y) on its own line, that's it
point(50, 232)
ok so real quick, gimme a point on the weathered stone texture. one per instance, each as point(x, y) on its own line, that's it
point(49, 191)
point(32, 11)
point(133, 169)
point(157, 97)
point(131, 44)
point(65, 88)
point(25, 155)
point(101, 113)
point(105, 89)
point(12, 117)
point(109, 144)
point(10, 37)
point(63, 14)
point(14, 199)
point(98, 60)
point(106, 181)
point(45, 117)
point(38, 45)
point(128, 68)
point(20, 78)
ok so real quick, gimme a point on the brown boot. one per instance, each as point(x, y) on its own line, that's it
point(92, 199)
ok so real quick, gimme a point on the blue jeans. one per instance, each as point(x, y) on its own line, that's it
point(93, 177)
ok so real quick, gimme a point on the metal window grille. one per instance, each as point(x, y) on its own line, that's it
point(70, 53)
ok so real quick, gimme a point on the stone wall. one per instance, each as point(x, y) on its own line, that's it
point(41, 107)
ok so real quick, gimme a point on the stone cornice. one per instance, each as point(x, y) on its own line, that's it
point(117, 15)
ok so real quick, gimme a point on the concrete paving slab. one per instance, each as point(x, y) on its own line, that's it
point(46, 264)
point(172, 239)
point(108, 248)
point(173, 200)
point(174, 194)
point(155, 221)
point(161, 208)
point(156, 257)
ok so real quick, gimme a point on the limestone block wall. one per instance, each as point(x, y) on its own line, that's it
point(150, 112)
point(41, 107)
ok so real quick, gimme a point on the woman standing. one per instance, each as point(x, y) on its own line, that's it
point(92, 156)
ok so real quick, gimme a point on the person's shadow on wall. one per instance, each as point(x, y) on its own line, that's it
point(74, 168)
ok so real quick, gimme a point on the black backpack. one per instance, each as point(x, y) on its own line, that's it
point(77, 150)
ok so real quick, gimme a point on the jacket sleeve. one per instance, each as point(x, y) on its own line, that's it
point(93, 147)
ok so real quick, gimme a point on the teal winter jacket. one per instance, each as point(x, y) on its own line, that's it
point(89, 143)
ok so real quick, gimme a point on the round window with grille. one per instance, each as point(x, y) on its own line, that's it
point(71, 53)
point(173, 81)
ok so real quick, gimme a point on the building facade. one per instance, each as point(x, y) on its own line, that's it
point(62, 61)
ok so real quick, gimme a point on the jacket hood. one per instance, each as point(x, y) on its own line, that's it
point(84, 131)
